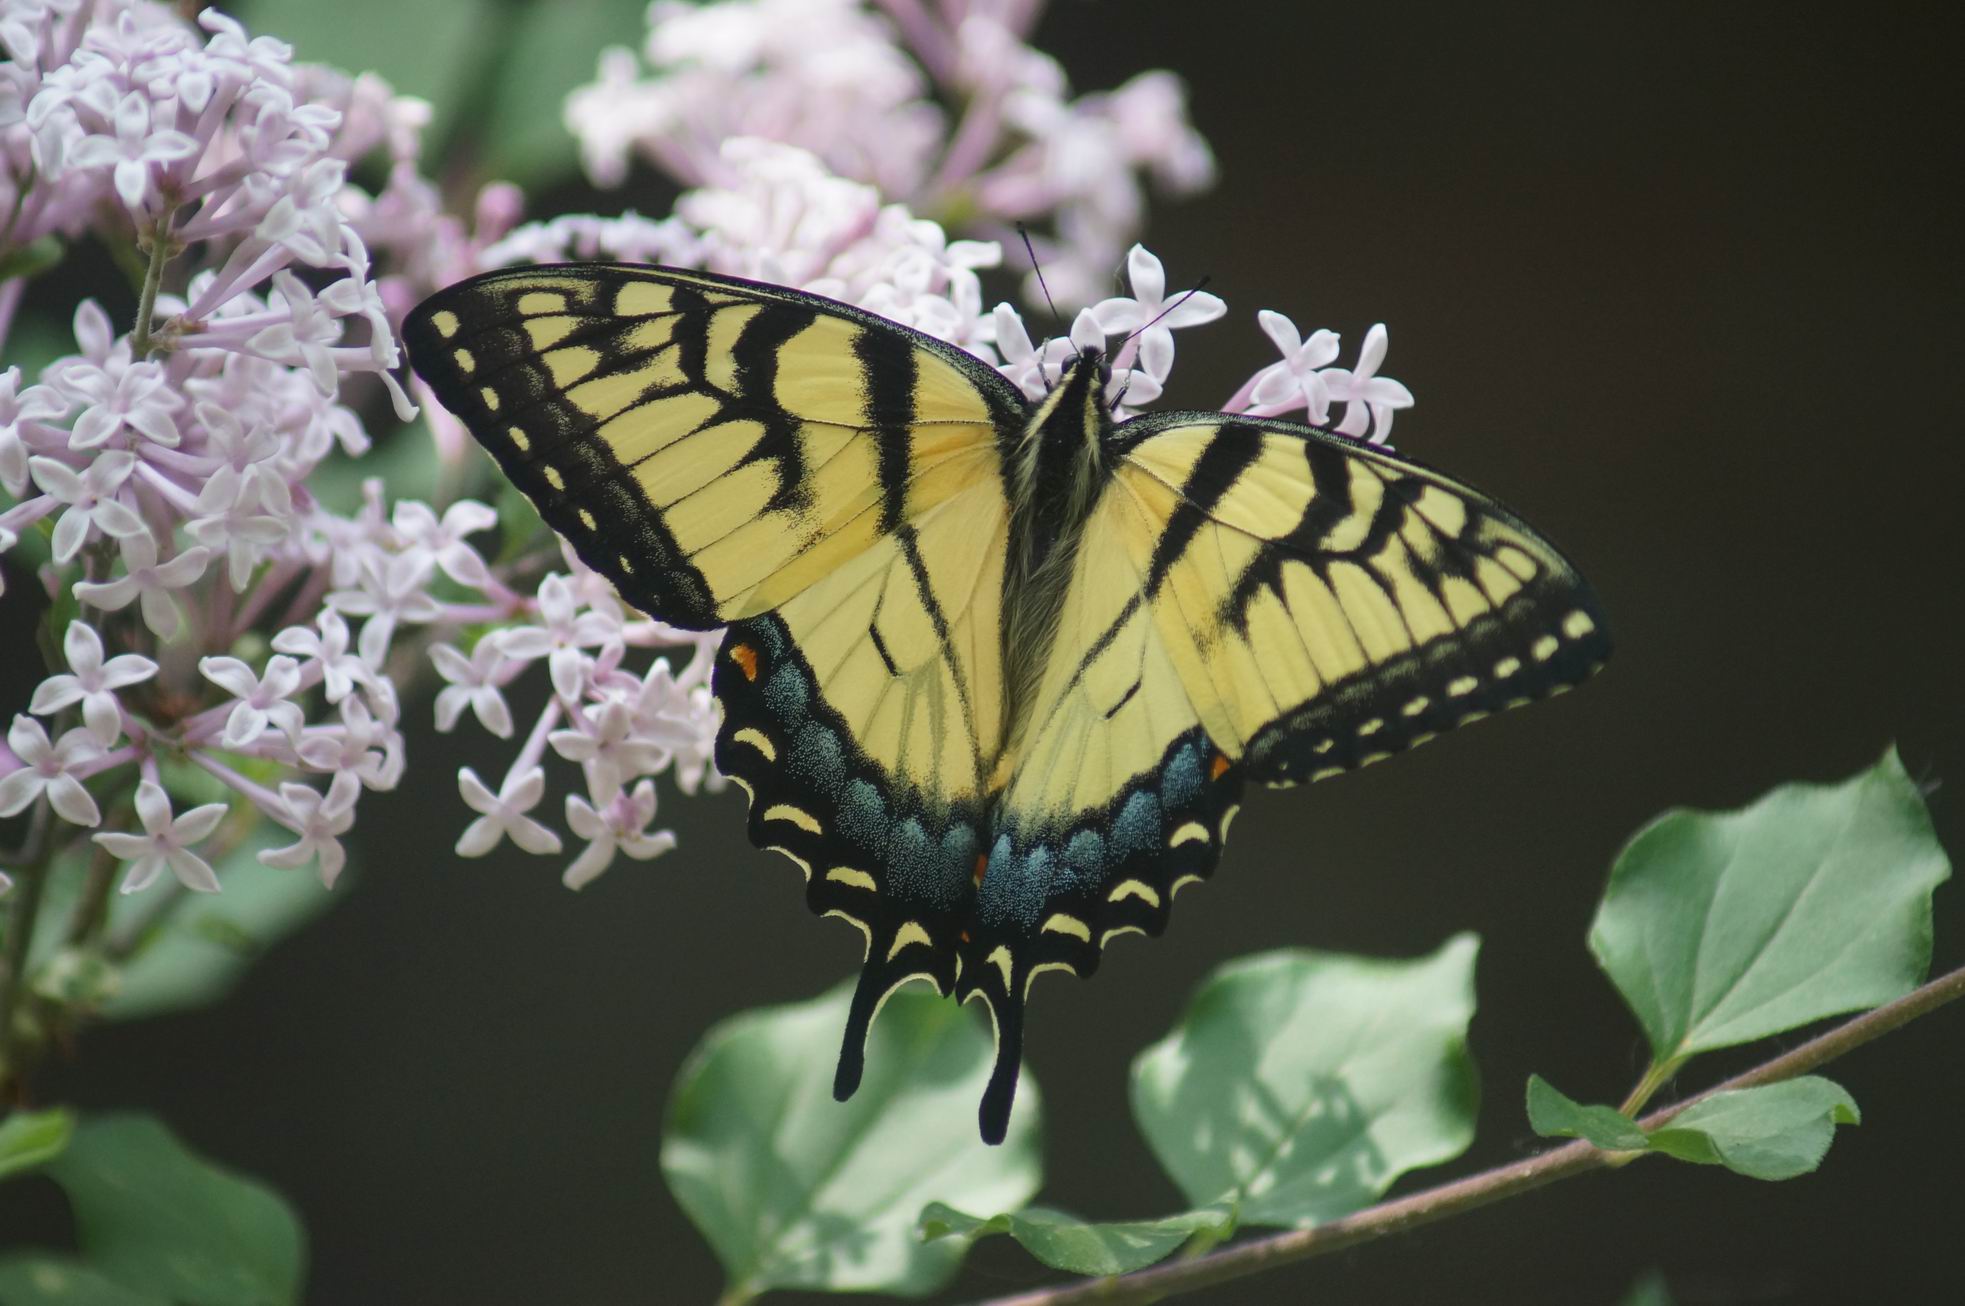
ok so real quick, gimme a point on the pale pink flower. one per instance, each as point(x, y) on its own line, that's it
point(165, 842)
point(92, 681)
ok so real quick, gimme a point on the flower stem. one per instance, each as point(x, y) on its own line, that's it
point(153, 276)
point(30, 870)
point(1475, 1191)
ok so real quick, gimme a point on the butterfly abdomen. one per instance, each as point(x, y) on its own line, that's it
point(1056, 476)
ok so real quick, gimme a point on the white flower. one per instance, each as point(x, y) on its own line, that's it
point(608, 749)
point(262, 700)
point(621, 827)
point(341, 670)
point(133, 149)
point(306, 339)
point(91, 496)
point(1296, 380)
point(474, 681)
point(92, 682)
point(23, 413)
point(393, 589)
point(1363, 392)
point(361, 743)
point(564, 632)
point(503, 814)
point(165, 842)
point(319, 820)
point(45, 769)
point(443, 540)
point(1149, 313)
point(120, 394)
point(231, 517)
point(144, 576)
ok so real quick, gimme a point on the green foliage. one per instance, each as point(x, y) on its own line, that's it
point(32, 1138)
point(1553, 1114)
point(1067, 1243)
point(183, 959)
point(795, 1190)
point(151, 1215)
point(46, 1279)
point(496, 72)
point(1724, 927)
point(1299, 1084)
point(1771, 1131)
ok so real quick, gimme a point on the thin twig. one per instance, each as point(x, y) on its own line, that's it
point(1404, 1213)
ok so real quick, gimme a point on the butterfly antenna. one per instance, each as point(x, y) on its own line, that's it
point(1057, 322)
point(1196, 289)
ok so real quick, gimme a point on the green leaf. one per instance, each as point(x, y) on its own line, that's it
point(433, 47)
point(205, 944)
point(1065, 1242)
point(1650, 1290)
point(552, 50)
point(795, 1190)
point(151, 1214)
point(1552, 1114)
point(1721, 928)
point(51, 1279)
point(31, 1138)
point(1299, 1084)
point(1772, 1131)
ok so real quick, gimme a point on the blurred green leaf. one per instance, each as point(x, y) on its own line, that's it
point(404, 458)
point(554, 48)
point(1771, 1131)
point(1650, 1290)
point(427, 48)
point(1724, 927)
point(1065, 1242)
point(1553, 1114)
point(51, 1279)
point(31, 1138)
point(197, 952)
point(1299, 1084)
point(151, 1214)
point(32, 259)
point(795, 1190)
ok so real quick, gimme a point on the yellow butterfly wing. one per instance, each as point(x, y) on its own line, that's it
point(828, 485)
point(1250, 600)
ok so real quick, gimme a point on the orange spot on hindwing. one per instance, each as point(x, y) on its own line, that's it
point(982, 864)
point(1220, 767)
point(746, 659)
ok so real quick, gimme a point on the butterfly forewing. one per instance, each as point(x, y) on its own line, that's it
point(711, 446)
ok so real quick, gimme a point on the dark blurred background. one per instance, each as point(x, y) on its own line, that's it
point(1679, 281)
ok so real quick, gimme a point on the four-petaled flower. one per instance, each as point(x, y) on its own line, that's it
point(503, 814)
point(92, 681)
point(1364, 393)
point(1150, 314)
point(91, 496)
point(619, 826)
point(143, 576)
point(1297, 380)
point(165, 842)
point(474, 681)
point(133, 148)
point(262, 700)
point(341, 670)
point(46, 769)
point(320, 820)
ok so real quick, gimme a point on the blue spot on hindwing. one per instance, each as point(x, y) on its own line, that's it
point(817, 758)
point(1137, 829)
point(863, 816)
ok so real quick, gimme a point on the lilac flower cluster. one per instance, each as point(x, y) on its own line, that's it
point(225, 618)
point(939, 104)
point(216, 615)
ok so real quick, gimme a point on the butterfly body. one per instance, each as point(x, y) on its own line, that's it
point(995, 673)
